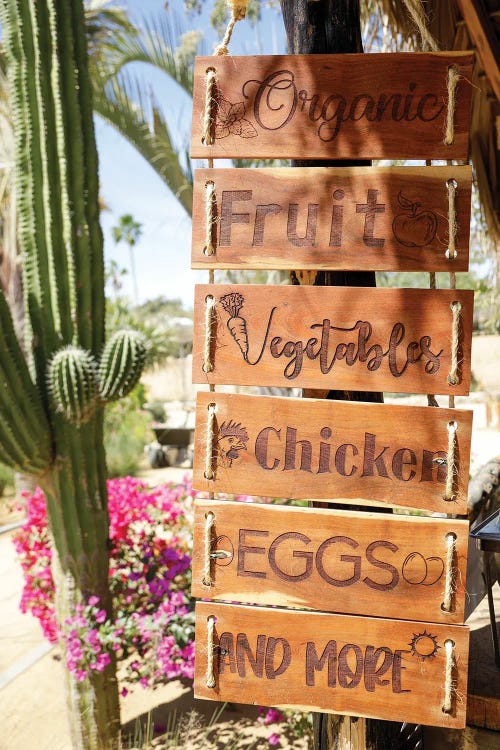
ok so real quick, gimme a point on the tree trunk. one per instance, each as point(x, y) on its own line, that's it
point(333, 26)
point(77, 508)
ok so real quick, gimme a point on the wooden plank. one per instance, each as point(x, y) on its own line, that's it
point(308, 448)
point(330, 560)
point(482, 33)
point(346, 338)
point(331, 663)
point(332, 106)
point(362, 218)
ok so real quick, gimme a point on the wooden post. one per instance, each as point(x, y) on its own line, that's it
point(319, 27)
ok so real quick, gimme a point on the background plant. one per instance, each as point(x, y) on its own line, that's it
point(57, 377)
point(151, 630)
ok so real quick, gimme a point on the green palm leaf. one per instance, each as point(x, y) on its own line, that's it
point(121, 102)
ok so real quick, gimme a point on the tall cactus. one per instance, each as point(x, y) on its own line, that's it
point(51, 407)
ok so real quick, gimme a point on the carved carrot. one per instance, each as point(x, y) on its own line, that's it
point(232, 304)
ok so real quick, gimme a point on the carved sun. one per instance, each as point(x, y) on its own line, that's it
point(424, 645)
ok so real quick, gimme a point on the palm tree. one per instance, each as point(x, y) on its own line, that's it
point(129, 231)
point(119, 96)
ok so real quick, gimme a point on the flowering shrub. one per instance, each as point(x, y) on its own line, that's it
point(153, 627)
point(297, 723)
point(152, 631)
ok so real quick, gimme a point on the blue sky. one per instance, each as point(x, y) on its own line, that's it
point(129, 185)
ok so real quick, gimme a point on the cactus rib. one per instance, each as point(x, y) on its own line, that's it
point(72, 383)
point(121, 364)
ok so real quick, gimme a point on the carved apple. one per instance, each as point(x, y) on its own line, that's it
point(414, 228)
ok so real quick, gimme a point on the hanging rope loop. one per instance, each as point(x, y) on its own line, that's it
point(451, 85)
point(207, 579)
point(449, 683)
point(449, 585)
point(452, 186)
point(451, 461)
point(238, 12)
point(208, 138)
point(209, 448)
point(454, 377)
point(210, 675)
point(210, 212)
point(208, 365)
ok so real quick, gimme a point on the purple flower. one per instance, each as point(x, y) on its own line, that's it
point(274, 739)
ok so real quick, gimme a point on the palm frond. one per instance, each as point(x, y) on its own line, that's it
point(156, 44)
point(121, 102)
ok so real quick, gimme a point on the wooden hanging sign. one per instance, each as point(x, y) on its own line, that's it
point(356, 106)
point(398, 340)
point(361, 666)
point(308, 448)
point(363, 218)
point(358, 563)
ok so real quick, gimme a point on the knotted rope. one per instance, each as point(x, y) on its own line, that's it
point(238, 12)
point(416, 12)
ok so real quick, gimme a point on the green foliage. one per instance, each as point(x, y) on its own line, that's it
point(125, 102)
point(158, 321)
point(127, 429)
point(6, 478)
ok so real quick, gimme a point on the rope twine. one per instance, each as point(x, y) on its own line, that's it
point(451, 252)
point(208, 365)
point(452, 83)
point(210, 676)
point(449, 685)
point(207, 579)
point(210, 206)
point(209, 449)
point(238, 12)
point(453, 377)
point(449, 585)
point(210, 102)
point(416, 12)
point(450, 461)
point(431, 398)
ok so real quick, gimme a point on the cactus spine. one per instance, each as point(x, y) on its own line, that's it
point(51, 414)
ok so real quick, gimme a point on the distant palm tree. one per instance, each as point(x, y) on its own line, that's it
point(129, 231)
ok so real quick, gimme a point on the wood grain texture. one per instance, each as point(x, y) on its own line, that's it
point(370, 218)
point(342, 338)
point(329, 560)
point(323, 450)
point(380, 106)
point(288, 668)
